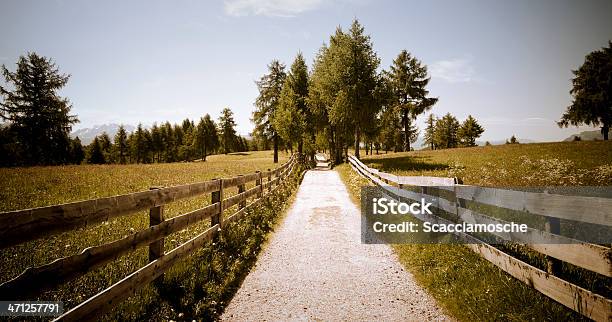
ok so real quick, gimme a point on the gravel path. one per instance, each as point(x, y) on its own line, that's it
point(315, 267)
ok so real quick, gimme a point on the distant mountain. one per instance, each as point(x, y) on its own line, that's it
point(87, 135)
point(588, 135)
point(499, 142)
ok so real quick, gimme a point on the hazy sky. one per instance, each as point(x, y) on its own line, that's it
point(508, 63)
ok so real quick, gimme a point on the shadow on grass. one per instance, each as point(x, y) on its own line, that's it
point(239, 153)
point(407, 163)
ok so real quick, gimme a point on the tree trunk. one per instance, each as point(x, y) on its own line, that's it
point(300, 146)
point(275, 139)
point(406, 131)
point(604, 131)
point(204, 154)
point(367, 150)
point(346, 147)
point(371, 147)
point(357, 137)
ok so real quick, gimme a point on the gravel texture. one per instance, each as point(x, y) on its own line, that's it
point(315, 267)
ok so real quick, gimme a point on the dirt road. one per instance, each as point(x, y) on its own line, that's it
point(315, 267)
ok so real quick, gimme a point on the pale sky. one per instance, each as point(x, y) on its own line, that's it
point(508, 63)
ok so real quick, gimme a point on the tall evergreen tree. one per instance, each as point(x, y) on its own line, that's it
point(169, 139)
point(270, 87)
point(408, 78)
point(227, 130)
point(469, 131)
point(96, 155)
point(121, 145)
point(430, 129)
point(292, 119)
point(139, 145)
point(38, 116)
point(77, 154)
point(363, 80)
point(446, 132)
point(592, 93)
point(206, 138)
point(105, 145)
point(157, 143)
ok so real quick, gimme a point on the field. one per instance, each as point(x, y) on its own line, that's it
point(41, 186)
point(581, 163)
point(469, 287)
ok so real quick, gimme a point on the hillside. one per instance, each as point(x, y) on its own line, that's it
point(588, 136)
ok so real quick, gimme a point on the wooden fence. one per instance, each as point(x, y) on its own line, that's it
point(554, 207)
point(26, 225)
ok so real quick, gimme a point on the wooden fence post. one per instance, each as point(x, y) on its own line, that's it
point(217, 196)
point(241, 189)
point(258, 183)
point(156, 217)
point(553, 226)
point(269, 179)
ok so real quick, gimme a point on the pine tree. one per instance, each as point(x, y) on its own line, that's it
point(592, 93)
point(96, 155)
point(362, 63)
point(342, 95)
point(288, 121)
point(39, 118)
point(169, 140)
point(430, 132)
point(77, 154)
point(270, 87)
point(227, 130)
point(139, 145)
point(446, 132)
point(469, 131)
point(105, 145)
point(206, 138)
point(408, 79)
point(121, 145)
point(291, 120)
point(157, 144)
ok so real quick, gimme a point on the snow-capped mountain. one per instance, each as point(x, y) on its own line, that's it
point(86, 135)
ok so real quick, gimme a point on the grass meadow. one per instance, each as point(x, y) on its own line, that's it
point(41, 186)
point(469, 287)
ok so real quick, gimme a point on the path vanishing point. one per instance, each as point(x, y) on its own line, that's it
point(316, 268)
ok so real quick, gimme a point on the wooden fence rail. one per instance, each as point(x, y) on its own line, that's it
point(30, 224)
point(592, 257)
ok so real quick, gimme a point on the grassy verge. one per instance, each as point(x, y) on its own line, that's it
point(41, 186)
point(468, 287)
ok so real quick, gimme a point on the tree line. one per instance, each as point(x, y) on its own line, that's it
point(167, 142)
point(37, 125)
point(345, 101)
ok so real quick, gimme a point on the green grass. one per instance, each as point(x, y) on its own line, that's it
point(42, 186)
point(580, 163)
point(467, 286)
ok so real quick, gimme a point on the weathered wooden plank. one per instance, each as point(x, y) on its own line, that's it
point(102, 302)
point(586, 209)
point(240, 197)
point(24, 225)
point(595, 258)
point(425, 181)
point(587, 303)
point(37, 279)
